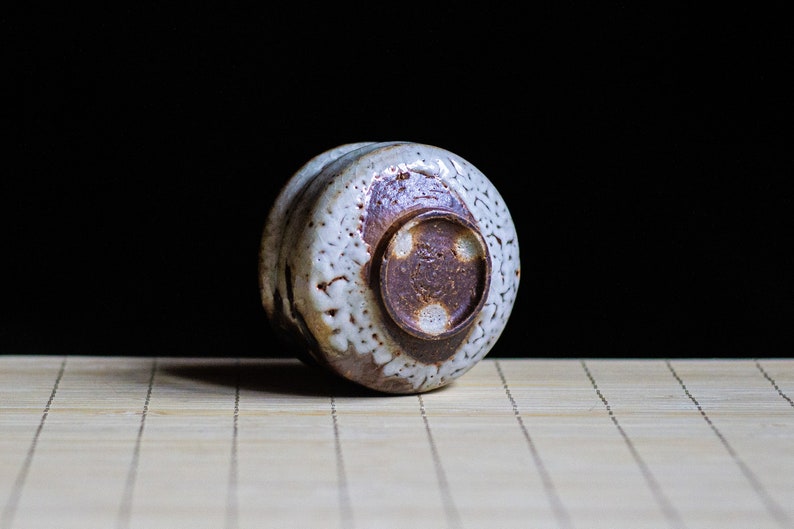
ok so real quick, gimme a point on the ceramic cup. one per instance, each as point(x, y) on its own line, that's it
point(392, 264)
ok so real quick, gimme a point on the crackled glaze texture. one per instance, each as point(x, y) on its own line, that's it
point(393, 264)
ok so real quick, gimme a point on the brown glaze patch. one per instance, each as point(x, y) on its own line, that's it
point(453, 284)
point(393, 196)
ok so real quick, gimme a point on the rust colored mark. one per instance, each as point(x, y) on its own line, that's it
point(431, 301)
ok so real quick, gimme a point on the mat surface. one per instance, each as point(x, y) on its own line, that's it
point(103, 442)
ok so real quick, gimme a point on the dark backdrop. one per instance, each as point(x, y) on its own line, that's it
point(644, 154)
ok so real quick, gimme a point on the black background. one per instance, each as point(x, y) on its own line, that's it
point(643, 152)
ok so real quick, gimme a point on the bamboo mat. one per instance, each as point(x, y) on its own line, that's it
point(117, 442)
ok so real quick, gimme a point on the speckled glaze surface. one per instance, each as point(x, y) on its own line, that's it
point(393, 264)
